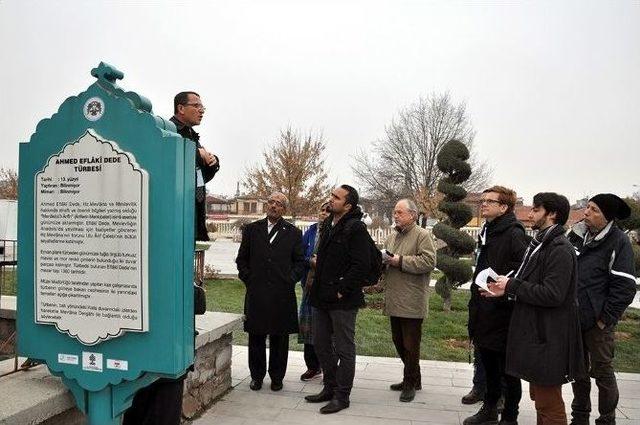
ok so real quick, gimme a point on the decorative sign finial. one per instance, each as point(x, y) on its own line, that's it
point(107, 72)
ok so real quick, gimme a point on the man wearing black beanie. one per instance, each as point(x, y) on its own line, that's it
point(606, 287)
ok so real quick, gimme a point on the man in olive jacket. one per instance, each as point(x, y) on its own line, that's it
point(270, 262)
point(410, 257)
point(336, 294)
point(544, 346)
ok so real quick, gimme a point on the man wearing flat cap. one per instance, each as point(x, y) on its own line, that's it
point(606, 287)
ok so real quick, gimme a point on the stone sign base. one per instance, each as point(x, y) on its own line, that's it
point(43, 399)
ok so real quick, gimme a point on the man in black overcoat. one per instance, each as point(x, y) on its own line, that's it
point(544, 346)
point(270, 262)
point(501, 245)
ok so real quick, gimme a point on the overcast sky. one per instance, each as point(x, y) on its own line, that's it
point(552, 87)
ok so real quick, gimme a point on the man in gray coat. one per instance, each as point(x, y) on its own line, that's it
point(410, 256)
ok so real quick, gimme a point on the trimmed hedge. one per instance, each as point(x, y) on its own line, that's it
point(452, 161)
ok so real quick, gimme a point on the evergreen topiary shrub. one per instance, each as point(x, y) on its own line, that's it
point(452, 161)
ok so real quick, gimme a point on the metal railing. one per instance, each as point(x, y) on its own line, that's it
point(8, 267)
point(226, 229)
point(8, 287)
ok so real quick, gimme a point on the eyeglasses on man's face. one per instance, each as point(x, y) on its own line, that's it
point(275, 202)
point(490, 201)
point(198, 106)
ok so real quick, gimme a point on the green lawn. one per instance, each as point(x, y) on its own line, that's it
point(8, 281)
point(444, 335)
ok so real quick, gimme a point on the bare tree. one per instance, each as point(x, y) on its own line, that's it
point(8, 183)
point(403, 163)
point(294, 165)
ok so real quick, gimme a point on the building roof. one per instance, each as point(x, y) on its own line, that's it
point(522, 214)
point(212, 199)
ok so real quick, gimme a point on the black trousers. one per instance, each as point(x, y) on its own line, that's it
point(334, 341)
point(494, 363)
point(278, 355)
point(407, 334)
point(311, 358)
point(158, 404)
point(598, 346)
point(479, 375)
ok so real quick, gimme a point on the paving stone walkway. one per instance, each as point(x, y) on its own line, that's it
point(444, 383)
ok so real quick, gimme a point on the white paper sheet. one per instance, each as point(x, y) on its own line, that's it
point(481, 278)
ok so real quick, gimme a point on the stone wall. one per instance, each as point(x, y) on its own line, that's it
point(7, 325)
point(7, 336)
point(211, 378)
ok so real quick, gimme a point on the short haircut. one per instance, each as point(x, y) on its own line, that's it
point(506, 196)
point(352, 195)
point(181, 99)
point(285, 200)
point(553, 202)
point(411, 206)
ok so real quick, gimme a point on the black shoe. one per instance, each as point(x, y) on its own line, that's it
point(322, 396)
point(486, 416)
point(400, 385)
point(276, 385)
point(334, 406)
point(579, 421)
point(473, 397)
point(408, 393)
point(310, 374)
point(396, 387)
point(506, 422)
point(255, 385)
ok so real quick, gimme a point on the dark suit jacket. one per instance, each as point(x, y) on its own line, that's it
point(208, 171)
point(270, 272)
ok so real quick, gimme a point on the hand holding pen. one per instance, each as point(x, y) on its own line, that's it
point(497, 288)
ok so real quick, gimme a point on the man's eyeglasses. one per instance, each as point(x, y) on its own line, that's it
point(198, 106)
point(490, 201)
point(275, 202)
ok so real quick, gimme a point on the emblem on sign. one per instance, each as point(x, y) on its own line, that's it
point(92, 361)
point(93, 109)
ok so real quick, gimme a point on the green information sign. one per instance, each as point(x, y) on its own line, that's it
point(105, 229)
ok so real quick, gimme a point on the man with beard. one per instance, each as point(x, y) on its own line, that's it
point(544, 345)
point(342, 266)
point(270, 262)
point(501, 245)
point(606, 287)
